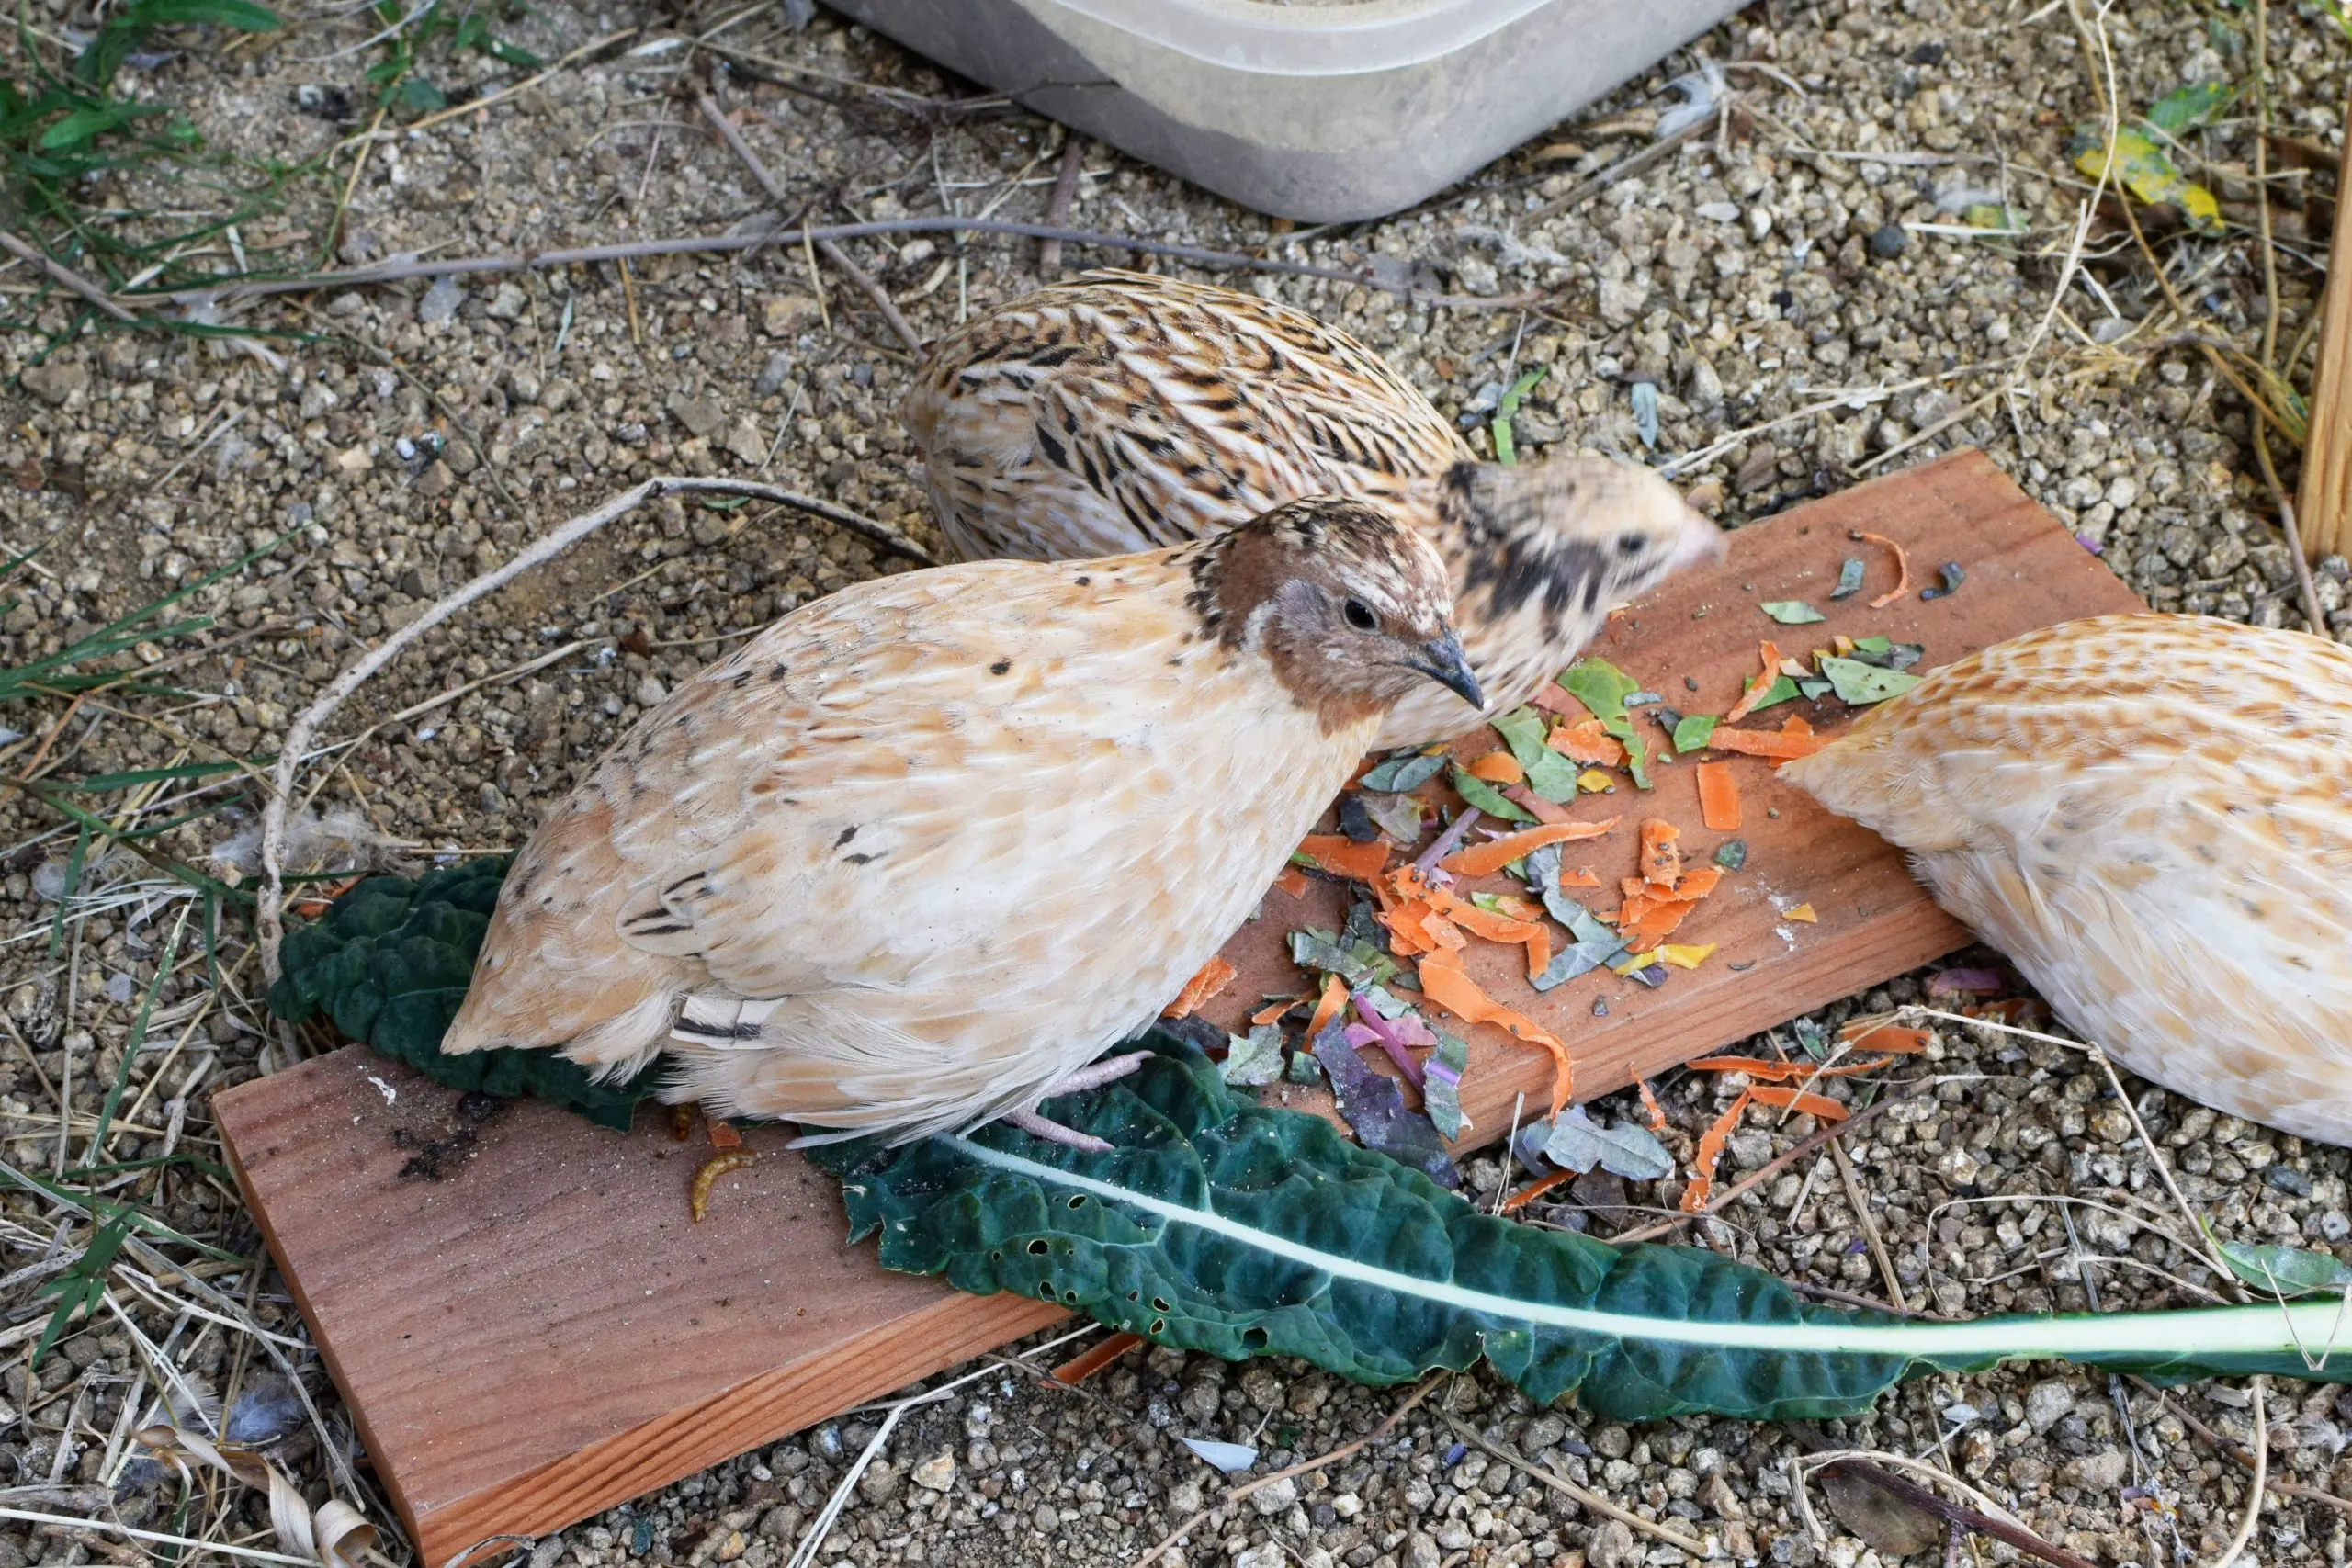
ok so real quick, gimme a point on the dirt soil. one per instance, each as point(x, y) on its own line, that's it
point(1801, 294)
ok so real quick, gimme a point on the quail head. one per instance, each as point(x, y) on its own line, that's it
point(1120, 410)
point(2152, 816)
point(916, 855)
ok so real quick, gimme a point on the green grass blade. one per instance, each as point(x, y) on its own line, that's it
point(107, 1109)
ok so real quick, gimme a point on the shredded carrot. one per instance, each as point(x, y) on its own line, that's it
point(1902, 572)
point(1711, 1152)
point(1335, 997)
point(1519, 908)
point(723, 1134)
point(1754, 1067)
point(1444, 935)
point(1584, 876)
point(1092, 1360)
point(1718, 797)
point(1798, 1101)
point(1780, 745)
point(1755, 694)
point(1272, 1011)
point(1535, 1190)
point(1342, 856)
point(1650, 1107)
point(1884, 1037)
point(1407, 923)
point(1586, 742)
point(1661, 861)
point(1292, 882)
point(1498, 767)
point(1485, 859)
point(1454, 991)
point(1212, 978)
point(1534, 805)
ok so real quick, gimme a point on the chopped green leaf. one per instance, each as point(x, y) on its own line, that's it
point(1783, 691)
point(1861, 683)
point(1441, 1085)
point(1486, 797)
point(1850, 579)
point(1604, 689)
point(1953, 575)
point(1352, 958)
point(1507, 409)
point(2283, 1270)
point(1576, 1142)
point(1374, 1108)
point(1792, 611)
point(1732, 853)
point(1399, 816)
point(1400, 774)
point(1693, 731)
point(1549, 774)
point(1255, 1059)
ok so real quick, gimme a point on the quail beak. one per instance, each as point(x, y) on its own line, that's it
point(1443, 661)
point(1698, 542)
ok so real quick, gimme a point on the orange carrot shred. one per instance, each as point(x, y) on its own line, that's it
point(1485, 859)
point(1342, 856)
point(1584, 876)
point(1779, 745)
point(1798, 1101)
point(1586, 742)
point(1711, 1152)
point(1535, 1190)
point(1094, 1358)
point(1754, 1067)
point(1272, 1011)
point(1534, 805)
point(1661, 861)
point(1755, 694)
point(1212, 978)
point(1335, 996)
point(1884, 1037)
point(1454, 991)
point(1498, 767)
point(1902, 572)
point(1718, 797)
point(1292, 882)
point(723, 1134)
point(1656, 1111)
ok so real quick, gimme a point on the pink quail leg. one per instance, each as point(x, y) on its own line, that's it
point(1093, 1077)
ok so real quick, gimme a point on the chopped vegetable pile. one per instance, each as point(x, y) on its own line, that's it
point(1502, 864)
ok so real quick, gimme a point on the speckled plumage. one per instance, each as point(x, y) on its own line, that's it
point(927, 846)
point(1120, 410)
point(2152, 816)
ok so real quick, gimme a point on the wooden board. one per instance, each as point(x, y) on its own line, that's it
point(527, 1329)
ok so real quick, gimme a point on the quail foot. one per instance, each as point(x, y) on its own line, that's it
point(2152, 816)
point(916, 855)
point(1120, 410)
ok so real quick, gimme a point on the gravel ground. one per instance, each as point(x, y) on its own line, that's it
point(1788, 287)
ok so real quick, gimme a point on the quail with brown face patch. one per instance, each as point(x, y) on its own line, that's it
point(1118, 411)
point(917, 855)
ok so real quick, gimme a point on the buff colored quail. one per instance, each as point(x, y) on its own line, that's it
point(918, 853)
point(2151, 816)
point(1120, 410)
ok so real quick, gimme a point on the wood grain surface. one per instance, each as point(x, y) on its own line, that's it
point(528, 1330)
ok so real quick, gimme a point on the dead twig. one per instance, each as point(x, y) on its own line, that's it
point(64, 276)
point(1584, 1495)
point(268, 915)
point(2261, 1473)
point(1624, 168)
point(1049, 251)
point(2231, 1450)
point(244, 286)
point(832, 251)
point(1235, 1494)
point(1861, 1206)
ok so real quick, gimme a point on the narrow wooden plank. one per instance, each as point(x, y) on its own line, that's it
point(528, 1330)
point(523, 1322)
point(2023, 570)
point(2325, 507)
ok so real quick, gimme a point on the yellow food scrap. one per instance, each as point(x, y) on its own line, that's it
point(1804, 912)
point(1592, 781)
point(1639, 960)
point(1682, 955)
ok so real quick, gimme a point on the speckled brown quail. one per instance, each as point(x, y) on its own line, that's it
point(2151, 816)
point(916, 855)
point(1120, 410)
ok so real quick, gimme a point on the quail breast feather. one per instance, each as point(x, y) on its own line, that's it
point(927, 846)
point(1120, 410)
point(2152, 816)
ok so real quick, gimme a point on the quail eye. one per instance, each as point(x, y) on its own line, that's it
point(1631, 544)
point(1360, 615)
